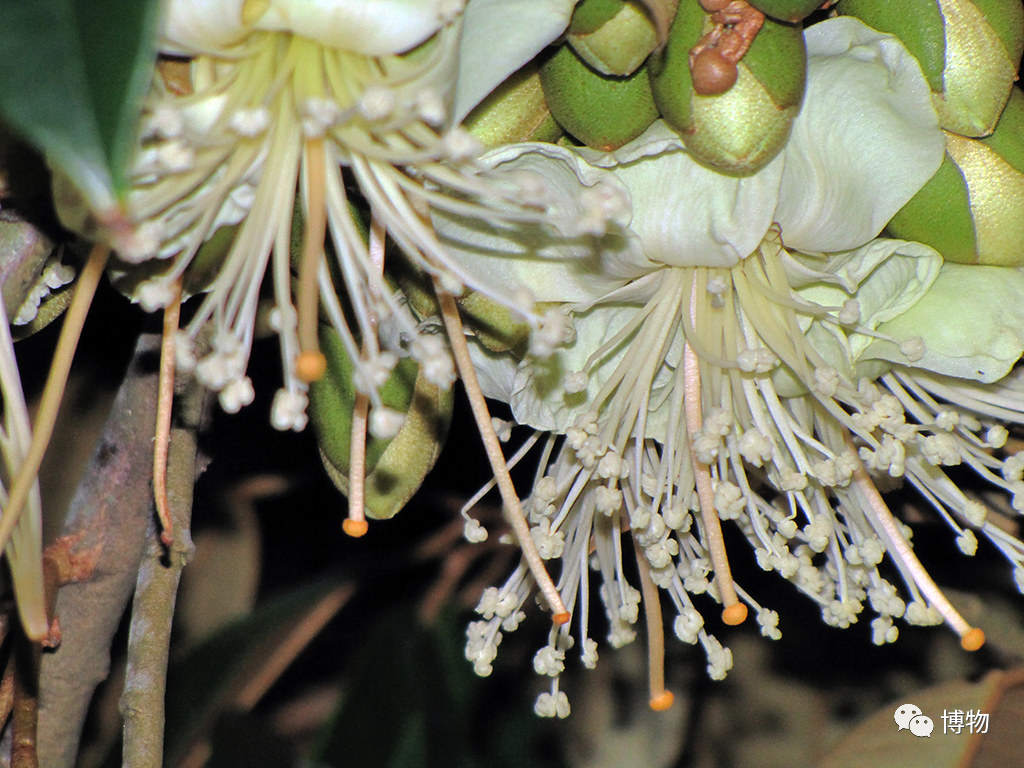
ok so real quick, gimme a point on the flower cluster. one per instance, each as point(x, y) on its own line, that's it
point(270, 127)
point(747, 350)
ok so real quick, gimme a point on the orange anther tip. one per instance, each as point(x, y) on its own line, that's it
point(167, 538)
point(355, 528)
point(560, 618)
point(973, 640)
point(662, 701)
point(734, 614)
point(310, 366)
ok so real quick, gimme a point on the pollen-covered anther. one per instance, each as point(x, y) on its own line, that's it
point(849, 313)
point(288, 410)
point(460, 145)
point(385, 422)
point(913, 348)
point(319, 115)
point(250, 123)
point(377, 103)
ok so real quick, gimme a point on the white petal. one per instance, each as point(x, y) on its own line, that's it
point(195, 26)
point(499, 37)
point(686, 214)
point(866, 139)
point(971, 320)
point(370, 27)
point(885, 277)
point(498, 257)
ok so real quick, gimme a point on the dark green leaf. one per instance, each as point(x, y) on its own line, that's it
point(73, 72)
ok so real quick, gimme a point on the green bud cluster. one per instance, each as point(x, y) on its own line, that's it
point(618, 70)
point(972, 209)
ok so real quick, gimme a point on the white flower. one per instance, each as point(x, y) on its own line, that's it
point(749, 350)
point(268, 121)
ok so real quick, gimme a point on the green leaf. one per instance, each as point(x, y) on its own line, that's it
point(73, 74)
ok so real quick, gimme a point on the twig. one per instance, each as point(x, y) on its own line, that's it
point(111, 512)
point(142, 701)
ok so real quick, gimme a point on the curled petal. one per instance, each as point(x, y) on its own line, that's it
point(560, 264)
point(971, 320)
point(865, 141)
point(499, 37)
point(686, 214)
point(195, 26)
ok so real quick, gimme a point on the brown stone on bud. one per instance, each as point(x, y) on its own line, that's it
point(712, 74)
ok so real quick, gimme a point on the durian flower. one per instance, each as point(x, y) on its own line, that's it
point(744, 349)
point(270, 123)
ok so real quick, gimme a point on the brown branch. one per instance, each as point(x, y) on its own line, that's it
point(142, 701)
point(111, 513)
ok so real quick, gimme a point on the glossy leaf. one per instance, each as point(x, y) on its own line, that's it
point(73, 73)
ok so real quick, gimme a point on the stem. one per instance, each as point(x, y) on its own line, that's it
point(510, 499)
point(109, 517)
point(149, 638)
point(971, 638)
point(661, 699)
point(311, 365)
point(53, 392)
point(164, 405)
point(355, 524)
point(733, 612)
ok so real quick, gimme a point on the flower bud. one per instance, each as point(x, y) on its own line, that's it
point(787, 10)
point(515, 111)
point(619, 44)
point(601, 111)
point(972, 210)
point(968, 50)
point(395, 467)
point(741, 129)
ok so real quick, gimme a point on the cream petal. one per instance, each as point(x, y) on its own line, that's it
point(499, 37)
point(555, 262)
point(369, 27)
point(685, 213)
point(866, 139)
point(197, 26)
point(971, 321)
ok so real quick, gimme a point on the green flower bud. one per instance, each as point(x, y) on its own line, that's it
point(395, 468)
point(515, 111)
point(620, 44)
point(600, 111)
point(969, 51)
point(972, 210)
point(742, 129)
point(787, 10)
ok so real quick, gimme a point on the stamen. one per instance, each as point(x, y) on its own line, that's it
point(733, 612)
point(164, 403)
point(355, 524)
point(310, 363)
point(661, 699)
point(510, 500)
point(53, 391)
point(971, 638)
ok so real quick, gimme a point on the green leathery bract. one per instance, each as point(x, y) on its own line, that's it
point(969, 51)
point(972, 210)
point(741, 130)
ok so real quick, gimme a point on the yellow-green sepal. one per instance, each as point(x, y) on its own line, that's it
point(618, 46)
point(395, 468)
point(792, 11)
point(972, 210)
point(600, 111)
point(969, 51)
point(741, 130)
point(514, 112)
